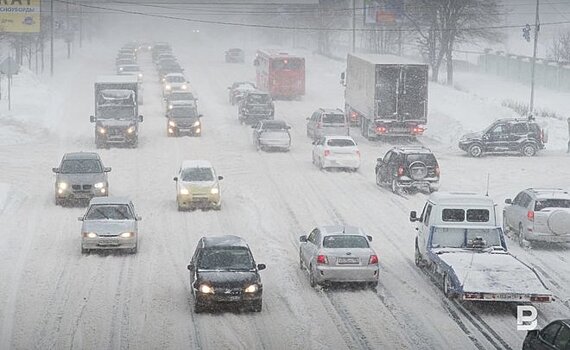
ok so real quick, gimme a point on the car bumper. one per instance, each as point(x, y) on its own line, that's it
point(191, 130)
point(123, 137)
point(465, 145)
point(347, 274)
point(285, 144)
point(546, 237)
point(405, 181)
point(341, 163)
point(106, 243)
point(190, 201)
point(220, 298)
point(71, 195)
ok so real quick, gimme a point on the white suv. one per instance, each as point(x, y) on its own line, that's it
point(539, 214)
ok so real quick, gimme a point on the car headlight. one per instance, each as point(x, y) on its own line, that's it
point(99, 185)
point(101, 130)
point(170, 106)
point(184, 87)
point(206, 289)
point(168, 87)
point(214, 190)
point(131, 129)
point(184, 191)
point(126, 235)
point(140, 75)
point(252, 289)
point(89, 234)
point(62, 185)
point(197, 130)
point(172, 123)
point(197, 123)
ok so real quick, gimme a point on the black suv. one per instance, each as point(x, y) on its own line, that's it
point(223, 271)
point(522, 136)
point(408, 167)
point(255, 106)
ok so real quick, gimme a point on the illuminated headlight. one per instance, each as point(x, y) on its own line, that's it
point(89, 234)
point(101, 130)
point(168, 87)
point(214, 190)
point(62, 185)
point(170, 106)
point(252, 289)
point(140, 75)
point(126, 235)
point(131, 129)
point(99, 185)
point(184, 191)
point(172, 123)
point(206, 289)
point(197, 130)
point(197, 123)
point(184, 87)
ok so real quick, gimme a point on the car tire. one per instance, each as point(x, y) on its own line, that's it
point(373, 285)
point(446, 285)
point(521, 238)
point(475, 150)
point(433, 189)
point(257, 306)
point(321, 164)
point(198, 308)
point(378, 179)
point(301, 265)
point(396, 188)
point(58, 201)
point(84, 251)
point(506, 227)
point(133, 250)
point(418, 259)
point(312, 281)
point(217, 207)
point(528, 150)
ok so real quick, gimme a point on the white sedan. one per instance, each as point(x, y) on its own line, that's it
point(336, 152)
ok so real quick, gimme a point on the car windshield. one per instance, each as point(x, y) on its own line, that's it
point(197, 174)
point(130, 69)
point(335, 118)
point(175, 79)
point(109, 212)
point(116, 112)
point(187, 96)
point(275, 126)
point(341, 143)
point(345, 241)
point(182, 112)
point(226, 258)
point(244, 87)
point(427, 159)
point(81, 166)
point(459, 237)
point(551, 203)
point(258, 98)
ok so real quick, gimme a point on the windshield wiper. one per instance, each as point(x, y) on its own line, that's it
point(103, 214)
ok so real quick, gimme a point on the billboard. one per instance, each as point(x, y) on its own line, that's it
point(383, 12)
point(20, 16)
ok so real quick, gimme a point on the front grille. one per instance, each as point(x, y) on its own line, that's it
point(228, 291)
point(76, 187)
point(87, 187)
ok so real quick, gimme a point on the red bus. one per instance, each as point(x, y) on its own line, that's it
point(280, 74)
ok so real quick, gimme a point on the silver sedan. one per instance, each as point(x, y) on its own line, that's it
point(338, 254)
point(109, 223)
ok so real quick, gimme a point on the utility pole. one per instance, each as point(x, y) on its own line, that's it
point(536, 30)
point(51, 37)
point(353, 26)
point(80, 24)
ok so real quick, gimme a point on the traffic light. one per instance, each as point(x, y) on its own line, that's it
point(526, 32)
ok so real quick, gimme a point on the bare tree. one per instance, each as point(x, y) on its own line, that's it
point(560, 47)
point(442, 24)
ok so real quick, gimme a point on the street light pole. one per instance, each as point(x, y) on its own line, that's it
point(536, 30)
point(51, 38)
point(353, 26)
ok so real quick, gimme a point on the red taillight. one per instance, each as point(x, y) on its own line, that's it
point(381, 130)
point(322, 259)
point(437, 171)
point(319, 125)
point(540, 298)
point(327, 153)
point(401, 171)
point(373, 260)
point(353, 115)
point(417, 130)
point(530, 215)
point(357, 152)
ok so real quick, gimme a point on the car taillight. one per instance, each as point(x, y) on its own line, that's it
point(437, 171)
point(417, 130)
point(373, 260)
point(381, 130)
point(327, 153)
point(319, 124)
point(353, 115)
point(530, 215)
point(401, 171)
point(357, 152)
point(322, 259)
point(540, 298)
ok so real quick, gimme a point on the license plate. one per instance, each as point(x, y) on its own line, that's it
point(108, 242)
point(399, 130)
point(343, 261)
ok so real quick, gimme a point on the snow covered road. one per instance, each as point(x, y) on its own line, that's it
point(52, 297)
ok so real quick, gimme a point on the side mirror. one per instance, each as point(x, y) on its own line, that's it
point(342, 75)
point(288, 127)
point(139, 218)
point(107, 169)
point(508, 201)
point(413, 216)
point(380, 160)
point(190, 267)
point(485, 136)
point(175, 178)
point(261, 267)
point(256, 62)
point(200, 115)
point(303, 239)
point(254, 126)
point(369, 238)
point(314, 142)
point(141, 118)
point(92, 119)
point(55, 170)
point(220, 177)
point(80, 218)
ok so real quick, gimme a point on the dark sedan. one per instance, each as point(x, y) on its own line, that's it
point(555, 336)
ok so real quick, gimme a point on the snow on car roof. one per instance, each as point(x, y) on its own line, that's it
point(224, 241)
point(109, 200)
point(338, 137)
point(81, 155)
point(340, 229)
point(545, 193)
point(460, 198)
point(117, 79)
point(175, 75)
point(196, 164)
point(385, 59)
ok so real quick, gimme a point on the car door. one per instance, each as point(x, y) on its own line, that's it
point(546, 337)
point(194, 263)
point(562, 341)
point(424, 227)
point(384, 166)
point(318, 148)
point(512, 211)
point(133, 211)
point(306, 247)
point(518, 132)
point(311, 124)
point(497, 139)
point(256, 131)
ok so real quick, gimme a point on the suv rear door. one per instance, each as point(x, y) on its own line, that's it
point(334, 123)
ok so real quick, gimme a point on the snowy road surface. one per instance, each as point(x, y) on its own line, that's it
point(52, 297)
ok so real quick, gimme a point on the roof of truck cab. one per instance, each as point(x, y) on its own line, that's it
point(460, 198)
point(386, 59)
point(116, 79)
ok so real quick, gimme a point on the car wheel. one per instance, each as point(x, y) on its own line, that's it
point(528, 150)
point(432, 189)
point(447, 286)
point(84, 251)
point(217, 207)
point(475, 150)
point(58, 201)
point(378, 179)
point(521, 237)
point(312, 281)
point(198, 308)
point(301, 266)
point(257, 306)
point(133, 250)
point(506, 227)
point(373, 285)
point(396, 188)
point(418, 257)
point(321, 164)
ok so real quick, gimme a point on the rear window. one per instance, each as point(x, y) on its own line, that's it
point(340, 143)
point(345, 241)
point(459, 215)
point(427, 158)
point(551, 203)
point(333, 118)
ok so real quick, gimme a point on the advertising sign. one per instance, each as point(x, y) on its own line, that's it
point(383, 12)
point(20, 16)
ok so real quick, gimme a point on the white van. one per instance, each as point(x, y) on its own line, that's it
point(453, 209)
